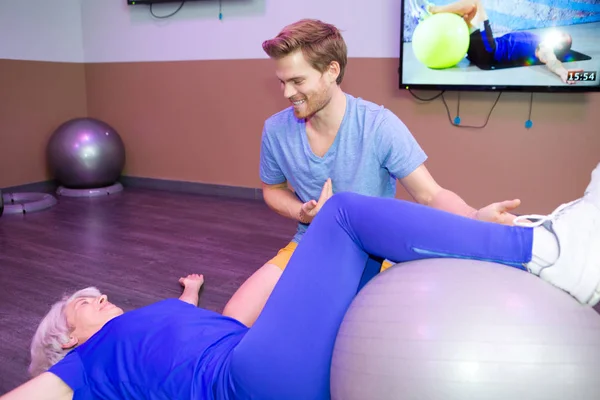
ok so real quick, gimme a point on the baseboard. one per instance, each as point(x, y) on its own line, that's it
point(38, 187)
point(208, 189)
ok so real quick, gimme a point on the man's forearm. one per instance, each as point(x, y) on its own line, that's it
point(284, 202)
point(451, 202)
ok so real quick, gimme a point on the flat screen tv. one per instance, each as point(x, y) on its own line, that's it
point(503, 45)
point(142, 2)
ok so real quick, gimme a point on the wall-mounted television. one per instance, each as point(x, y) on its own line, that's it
point(140, 2)
point(507, 45)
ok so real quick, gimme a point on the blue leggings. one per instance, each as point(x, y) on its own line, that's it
point(288, 351)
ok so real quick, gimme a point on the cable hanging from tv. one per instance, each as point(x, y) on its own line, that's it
point(168, 15)
point(457, 120)
point(152, 3)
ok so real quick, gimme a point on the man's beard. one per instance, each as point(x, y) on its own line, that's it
point(312, 104)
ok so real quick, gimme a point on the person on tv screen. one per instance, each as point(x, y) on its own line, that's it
point(519, 48)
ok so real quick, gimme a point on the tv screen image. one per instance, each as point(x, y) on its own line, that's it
point(524, 45)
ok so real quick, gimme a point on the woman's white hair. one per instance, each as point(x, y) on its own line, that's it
point(53, 332)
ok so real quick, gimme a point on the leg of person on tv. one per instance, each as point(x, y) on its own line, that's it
point(172, 349)
point(514, 48)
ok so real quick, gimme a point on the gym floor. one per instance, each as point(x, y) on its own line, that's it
point(133, 246)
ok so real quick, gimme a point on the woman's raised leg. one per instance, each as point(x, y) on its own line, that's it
point(287, 353)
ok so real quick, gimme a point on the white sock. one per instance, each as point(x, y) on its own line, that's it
point(544, 251)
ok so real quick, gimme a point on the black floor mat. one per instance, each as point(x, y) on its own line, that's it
point(571, 56)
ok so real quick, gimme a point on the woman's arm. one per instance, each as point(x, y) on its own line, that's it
point(547, 56)
point(46, 386)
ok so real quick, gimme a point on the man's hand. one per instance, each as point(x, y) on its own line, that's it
point(499, 212)
point(310, 209)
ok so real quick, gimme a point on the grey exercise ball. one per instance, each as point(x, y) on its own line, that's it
point(86, 153)
point(456, 329)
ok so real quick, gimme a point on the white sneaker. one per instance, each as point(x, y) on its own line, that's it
point(593, 189)
point(576, 226)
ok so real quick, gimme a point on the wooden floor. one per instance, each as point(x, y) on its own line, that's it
point(133, 246)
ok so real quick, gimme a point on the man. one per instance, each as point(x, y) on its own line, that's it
point(175, 350)
point(329, 141)
point(515, 49)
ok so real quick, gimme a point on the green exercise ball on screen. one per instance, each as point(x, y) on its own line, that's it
point(441, 40)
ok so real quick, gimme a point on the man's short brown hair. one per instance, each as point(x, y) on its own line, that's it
point(321, 43)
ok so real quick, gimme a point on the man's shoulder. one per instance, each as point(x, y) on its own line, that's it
point(370, 110)
point(373, 116)
point(364, 104)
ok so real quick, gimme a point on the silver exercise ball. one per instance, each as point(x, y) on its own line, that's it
point(86, 153)
point(456, 329)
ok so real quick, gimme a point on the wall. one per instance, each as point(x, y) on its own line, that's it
point(190, 93)
point(115, 32)
point(42, 81)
